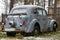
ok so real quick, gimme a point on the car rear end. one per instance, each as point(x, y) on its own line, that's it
point(16, 21)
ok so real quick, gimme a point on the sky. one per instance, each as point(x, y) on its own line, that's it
point(2, 8)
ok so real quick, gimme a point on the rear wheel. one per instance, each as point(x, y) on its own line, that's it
point(11, 33)
point(36, 30)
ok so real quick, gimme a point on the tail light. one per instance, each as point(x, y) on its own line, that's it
point(3, 22)
point(23, 22)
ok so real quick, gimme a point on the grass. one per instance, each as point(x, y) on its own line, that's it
point(2, 35)
point(19, 36)
point(55, 35)
point(49, 34)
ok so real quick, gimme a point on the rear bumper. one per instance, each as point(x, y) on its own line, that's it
point(14, 31)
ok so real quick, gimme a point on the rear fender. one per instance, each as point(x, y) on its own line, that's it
point(51, 23)
point(31, 27)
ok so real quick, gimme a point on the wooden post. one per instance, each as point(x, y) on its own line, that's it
point(48, 5)
point(44, 3)
point(55, 4)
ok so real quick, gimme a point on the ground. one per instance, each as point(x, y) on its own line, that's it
point(42, 36)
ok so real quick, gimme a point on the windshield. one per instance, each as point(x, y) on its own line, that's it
point(18, 10)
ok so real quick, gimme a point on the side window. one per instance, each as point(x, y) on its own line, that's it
point(39, 12)
point(44, 12)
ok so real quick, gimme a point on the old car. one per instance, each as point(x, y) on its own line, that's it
point(31, 19)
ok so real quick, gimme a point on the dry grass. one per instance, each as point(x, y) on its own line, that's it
point(19, 36)
point(54, 35)
point(0, 27)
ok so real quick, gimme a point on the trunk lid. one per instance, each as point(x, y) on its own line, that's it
point(16, 20)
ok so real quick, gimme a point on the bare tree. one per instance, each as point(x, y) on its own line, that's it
point(44, 3)
point(55, 5)
point(25, 2)
point(11, 3)
point(28, 2)
point(31, 1)
point(48, 5)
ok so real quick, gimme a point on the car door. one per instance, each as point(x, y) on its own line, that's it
point(45, 18)
point(38, 13)
point(41, 16)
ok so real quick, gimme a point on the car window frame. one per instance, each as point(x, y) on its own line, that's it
point(45, 12)
point(40, 10)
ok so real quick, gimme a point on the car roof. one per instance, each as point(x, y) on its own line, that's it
point(28, 6)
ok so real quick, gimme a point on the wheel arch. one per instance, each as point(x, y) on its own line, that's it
point(51, 24)
point(37, 24)
point(32, 24)
point(52, 21)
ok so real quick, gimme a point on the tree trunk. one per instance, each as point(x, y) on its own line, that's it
point(44, 3)
point(32, 1)
point(25, 2)
point(11, 4)
point(55, 4)
point(48, 5)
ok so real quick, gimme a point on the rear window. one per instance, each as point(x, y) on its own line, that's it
point(18, 10)
point(18, 14)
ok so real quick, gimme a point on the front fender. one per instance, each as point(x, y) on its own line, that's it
point(31, 26)
point(52, 22)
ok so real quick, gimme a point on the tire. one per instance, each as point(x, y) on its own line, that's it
point(36, 30)
point(11, 34)
point(54, 27)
